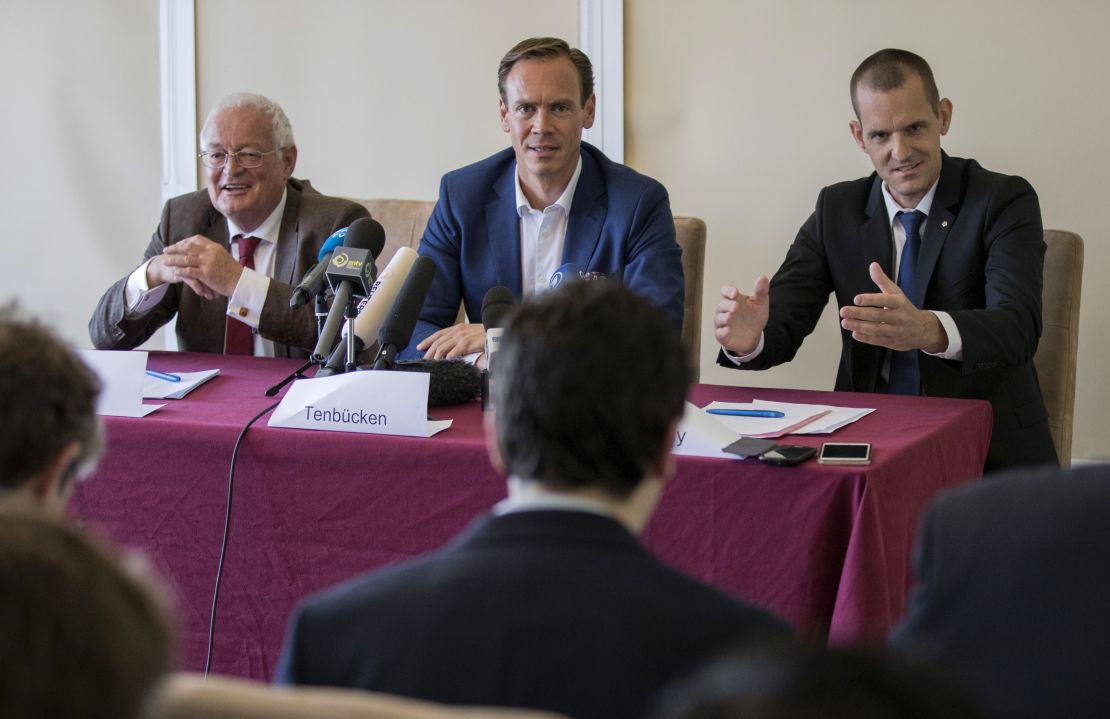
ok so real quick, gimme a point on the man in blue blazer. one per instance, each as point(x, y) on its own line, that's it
point(549, 201)
point(549, 602)
point(966, 245)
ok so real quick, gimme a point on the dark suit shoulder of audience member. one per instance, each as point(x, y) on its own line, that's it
point(1013, 580)
point(803, 682)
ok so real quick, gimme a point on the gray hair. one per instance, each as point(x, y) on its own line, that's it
point(283, 131)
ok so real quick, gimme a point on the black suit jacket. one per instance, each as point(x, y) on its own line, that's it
point(555, 610)
point(981, 260)
point(308, 220)
point(1014, 590)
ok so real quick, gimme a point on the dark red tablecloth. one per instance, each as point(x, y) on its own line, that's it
point(826, 547)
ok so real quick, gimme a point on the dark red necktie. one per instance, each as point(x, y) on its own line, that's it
point(238, 336)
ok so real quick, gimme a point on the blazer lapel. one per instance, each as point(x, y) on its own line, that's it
point(503, 225)
point(587, 215)
point(941, 219)
point(875, 237)
point(289, 238)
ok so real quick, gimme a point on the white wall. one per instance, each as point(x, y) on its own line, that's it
point(80, 189)
point(742, 110)
point(384, 97)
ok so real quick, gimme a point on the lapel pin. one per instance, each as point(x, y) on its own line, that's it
point(944, 223)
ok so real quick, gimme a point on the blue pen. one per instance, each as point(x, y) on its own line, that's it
point(768, 413)
point(163, 375)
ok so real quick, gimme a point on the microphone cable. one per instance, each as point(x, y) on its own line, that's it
point(223, 542)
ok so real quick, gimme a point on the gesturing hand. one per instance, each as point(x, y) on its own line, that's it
point(887, 318)
point(740, 318)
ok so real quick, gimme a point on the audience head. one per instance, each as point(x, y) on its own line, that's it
point(797, 682)
point(49, 431)
point(82, 640)
point(900, 118)
point(590, 383)
point(248, 152)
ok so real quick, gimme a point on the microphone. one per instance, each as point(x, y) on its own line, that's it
point(495, 306)
point(450, 382)
point(366, 326)
point(569, 271)
point(313, 280)
point(350, 270)
point(396, 330)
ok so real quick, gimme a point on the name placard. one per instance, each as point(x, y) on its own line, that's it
point(700, 435)
point(363, 402)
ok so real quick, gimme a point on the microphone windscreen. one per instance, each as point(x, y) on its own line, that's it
point(451, 381)
point(569, 271)
point(495, 305)
point(367, 234)
point(385, 289)
point(333, 241)
point(397, 328)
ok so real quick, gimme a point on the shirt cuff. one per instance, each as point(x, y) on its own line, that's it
point(955, 349)
point(137, 295)
point(741, 359)
point(246, 302)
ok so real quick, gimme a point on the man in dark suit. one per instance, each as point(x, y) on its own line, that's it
point(1013, 580)
point(967, 249)
point(549, 602)
point(225, 259)
point(515, 218)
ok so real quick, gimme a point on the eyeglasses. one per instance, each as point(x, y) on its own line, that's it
point(248, 159)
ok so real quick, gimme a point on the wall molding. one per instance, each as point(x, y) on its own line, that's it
point(601, 37)
point(177, 49)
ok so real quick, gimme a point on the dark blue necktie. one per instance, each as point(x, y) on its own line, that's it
point(905, 377)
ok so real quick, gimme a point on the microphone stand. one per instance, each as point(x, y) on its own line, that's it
point(299, 374)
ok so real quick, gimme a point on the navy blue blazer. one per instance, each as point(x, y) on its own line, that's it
point(1013, 581)
point(981, 260)
point(556, 610)
point(620, 225)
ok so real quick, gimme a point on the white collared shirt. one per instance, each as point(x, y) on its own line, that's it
point(531, 496)
point(249, 293)
point(955, 350)
point(543, 235)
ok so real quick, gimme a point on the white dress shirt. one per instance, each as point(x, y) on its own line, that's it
point(542, 235)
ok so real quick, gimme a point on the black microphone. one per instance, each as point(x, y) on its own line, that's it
point(351, 272)
point(450, 382)
point(396, 330)
point(313, 280)
point(495, 306)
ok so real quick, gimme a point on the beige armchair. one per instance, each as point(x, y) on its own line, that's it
point(1059, 347)
point(191, 696)
point(404, 222)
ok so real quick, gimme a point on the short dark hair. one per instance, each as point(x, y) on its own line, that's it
point(588, 380)
point(82, 639)
point(544, 48)
point(888, 70)
point(47, 400)
point(790, 681)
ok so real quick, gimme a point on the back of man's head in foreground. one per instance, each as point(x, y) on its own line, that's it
point(48, 424)
point(589, 383)
point(81, 639)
